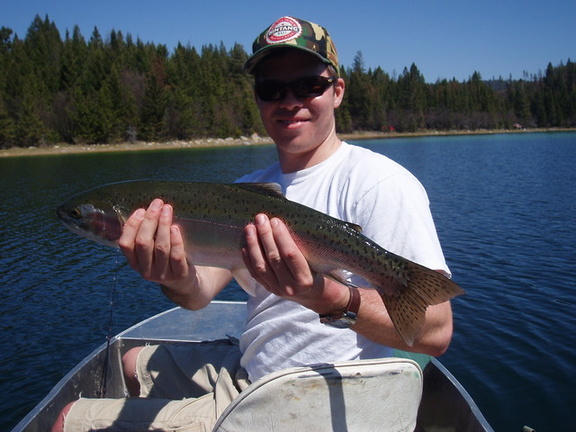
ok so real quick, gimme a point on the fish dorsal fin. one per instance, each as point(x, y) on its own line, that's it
point(270, 189)
point(355, 227)
point(275, 190)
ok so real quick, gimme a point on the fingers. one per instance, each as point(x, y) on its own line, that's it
point(152, 245)
point(268, 262)
point(274, 259)
point(156, 253)
point(252, 254)
point(293, 261)
point(178, 263)
point(127, 239)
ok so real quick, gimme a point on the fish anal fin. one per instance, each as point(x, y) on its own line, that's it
point(338, 275)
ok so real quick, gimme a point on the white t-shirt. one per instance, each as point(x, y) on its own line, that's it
point(358, 186)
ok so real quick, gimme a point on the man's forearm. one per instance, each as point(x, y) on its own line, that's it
point(199, 289)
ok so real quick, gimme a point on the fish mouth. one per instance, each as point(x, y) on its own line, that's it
point(92, 223)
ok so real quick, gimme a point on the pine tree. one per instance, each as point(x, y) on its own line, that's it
point(8, 131)
point(116, 88)
point(155, 100)
point(411, 99)
point(361, 96)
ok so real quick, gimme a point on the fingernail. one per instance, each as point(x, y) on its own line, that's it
point(156, 204)
point(140, 213)
point(249, 230)
point(166, 210)
point(260, 219)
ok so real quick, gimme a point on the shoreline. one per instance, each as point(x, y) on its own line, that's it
point(230, 142)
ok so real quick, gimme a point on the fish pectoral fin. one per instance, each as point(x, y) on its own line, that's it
point(270, 189)
point(122, 213)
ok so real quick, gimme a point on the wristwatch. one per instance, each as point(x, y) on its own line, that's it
point(347, 318)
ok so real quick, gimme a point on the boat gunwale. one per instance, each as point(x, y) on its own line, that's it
point(135, 336)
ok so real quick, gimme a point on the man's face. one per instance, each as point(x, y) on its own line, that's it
point(298, 125)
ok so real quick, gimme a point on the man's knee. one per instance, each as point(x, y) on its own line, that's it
point(129, 366)
point(58, 425)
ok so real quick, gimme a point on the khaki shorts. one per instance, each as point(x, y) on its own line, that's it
point(184, 388)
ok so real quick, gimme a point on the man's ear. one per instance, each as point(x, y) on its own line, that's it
point(339, 88)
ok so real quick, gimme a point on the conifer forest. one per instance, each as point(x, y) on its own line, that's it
point(112, 88)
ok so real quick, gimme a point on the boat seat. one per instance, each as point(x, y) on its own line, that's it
point(364, 395)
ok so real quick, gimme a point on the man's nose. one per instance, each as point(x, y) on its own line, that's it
point(290, 100)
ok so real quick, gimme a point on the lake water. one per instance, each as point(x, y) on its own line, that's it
point(504, 206)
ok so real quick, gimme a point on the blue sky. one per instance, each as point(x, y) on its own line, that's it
point(444, 38)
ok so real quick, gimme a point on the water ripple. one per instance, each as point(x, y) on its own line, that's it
point(504, 208)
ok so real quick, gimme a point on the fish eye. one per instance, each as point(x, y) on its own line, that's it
point(75, 213)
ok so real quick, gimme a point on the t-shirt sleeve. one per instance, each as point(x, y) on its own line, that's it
point(395, 213)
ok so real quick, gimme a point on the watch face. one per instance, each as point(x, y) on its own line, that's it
point(347, 320)
point(343, 322)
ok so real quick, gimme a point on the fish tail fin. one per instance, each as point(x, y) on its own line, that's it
point(407, 306)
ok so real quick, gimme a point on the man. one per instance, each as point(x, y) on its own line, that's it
point(297, 89)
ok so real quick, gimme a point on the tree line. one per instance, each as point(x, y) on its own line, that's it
point(116, 89)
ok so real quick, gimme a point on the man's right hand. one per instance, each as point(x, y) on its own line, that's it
point(154, 246)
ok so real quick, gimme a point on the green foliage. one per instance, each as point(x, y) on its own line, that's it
point(113, 88)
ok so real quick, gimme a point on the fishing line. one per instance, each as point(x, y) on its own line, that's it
point(111, 301)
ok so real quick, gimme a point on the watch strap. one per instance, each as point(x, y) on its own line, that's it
point(354, 302)
point(351, 311)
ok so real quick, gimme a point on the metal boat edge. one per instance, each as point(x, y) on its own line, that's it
point(445, 406)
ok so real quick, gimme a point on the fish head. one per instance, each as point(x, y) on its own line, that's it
point(102, 224)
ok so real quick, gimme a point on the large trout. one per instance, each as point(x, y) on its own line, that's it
point(212, 218)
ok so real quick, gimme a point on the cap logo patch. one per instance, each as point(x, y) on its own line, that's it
point(283, 30)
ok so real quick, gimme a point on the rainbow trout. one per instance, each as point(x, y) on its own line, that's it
point(212, 217)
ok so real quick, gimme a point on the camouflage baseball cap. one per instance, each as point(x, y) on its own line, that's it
point(293, 33)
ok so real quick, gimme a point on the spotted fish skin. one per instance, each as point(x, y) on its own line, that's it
point(212, 217)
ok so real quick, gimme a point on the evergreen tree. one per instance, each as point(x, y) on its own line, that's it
point(117, 88)
point(361, 96)
point(155, 101)
point(411, 99)
point(8, 131)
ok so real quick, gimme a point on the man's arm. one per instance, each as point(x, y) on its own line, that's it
point(154, 247)
point(274, 260)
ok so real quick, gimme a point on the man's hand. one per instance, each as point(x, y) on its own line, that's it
point(275, 261)
point(154, 246)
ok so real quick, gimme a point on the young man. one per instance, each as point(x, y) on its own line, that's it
point(297, 89)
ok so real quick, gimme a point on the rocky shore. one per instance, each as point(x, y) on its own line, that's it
point(255, 139)
point(135, 146)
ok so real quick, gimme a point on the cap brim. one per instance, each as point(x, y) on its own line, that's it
point(262, 53)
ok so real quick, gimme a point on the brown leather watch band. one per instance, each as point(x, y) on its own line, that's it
point(354, 302)
point(348, 317)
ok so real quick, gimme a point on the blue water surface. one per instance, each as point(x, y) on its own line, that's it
point(504, 207)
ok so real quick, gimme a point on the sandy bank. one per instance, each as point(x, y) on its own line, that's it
point(217, 142)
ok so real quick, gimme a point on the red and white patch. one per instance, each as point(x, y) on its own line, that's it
point(283, 30)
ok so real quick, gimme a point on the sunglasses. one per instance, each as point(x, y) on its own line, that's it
point(302, 88)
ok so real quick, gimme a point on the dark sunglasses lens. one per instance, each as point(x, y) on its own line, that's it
point(310, 87)
point(270, 90)
point(304, 88)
